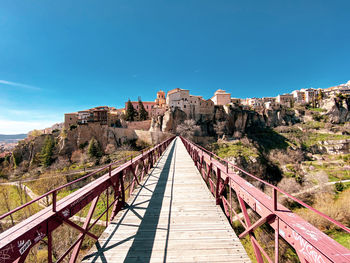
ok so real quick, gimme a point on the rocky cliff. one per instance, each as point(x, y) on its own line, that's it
point(337, 109)
point(237, 119)
point(66, 142)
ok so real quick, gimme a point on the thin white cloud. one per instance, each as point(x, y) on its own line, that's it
point(15, 127)
point(19, 85)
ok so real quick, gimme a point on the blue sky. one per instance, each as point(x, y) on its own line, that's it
point(63, 56)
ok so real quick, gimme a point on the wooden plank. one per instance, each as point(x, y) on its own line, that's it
point(171, 217)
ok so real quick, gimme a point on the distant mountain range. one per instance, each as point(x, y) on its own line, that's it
point(12, 137)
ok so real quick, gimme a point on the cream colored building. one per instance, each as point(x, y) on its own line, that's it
point(298, 95)
point(190, 104)
point(160, 100)
point(255, 102)
point(221, 97)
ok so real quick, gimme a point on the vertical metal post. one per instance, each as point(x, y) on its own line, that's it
point(107, 195)
point(54, 201)
point(110, 170)
point(218, 180)
point(49, 247)
point(277, 239)
point(274, 199)
point(230, 193)
point(122, 187)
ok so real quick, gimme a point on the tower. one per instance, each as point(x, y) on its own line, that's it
point(160, 100)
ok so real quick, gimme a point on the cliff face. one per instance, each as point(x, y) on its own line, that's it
point(27, 150)
point(65, 143)
point(338, 109)
point(237, 120)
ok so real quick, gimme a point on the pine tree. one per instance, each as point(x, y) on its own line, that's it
point(130, 111)
point(47, 151)
point(143, 114)
point(94, 149)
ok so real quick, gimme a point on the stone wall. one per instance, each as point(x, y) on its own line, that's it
point(139, 125)
point(106, 135)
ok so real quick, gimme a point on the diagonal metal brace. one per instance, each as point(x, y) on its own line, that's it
point(258, 223)
point(82, 230)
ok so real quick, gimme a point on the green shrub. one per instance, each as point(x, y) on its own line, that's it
point(94, 149)
point(339, 186)
point(47, 151)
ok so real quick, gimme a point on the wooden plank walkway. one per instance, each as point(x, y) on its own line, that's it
point(172, 217)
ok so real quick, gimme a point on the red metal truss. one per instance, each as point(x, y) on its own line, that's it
point(310, 243)
point(16, 242)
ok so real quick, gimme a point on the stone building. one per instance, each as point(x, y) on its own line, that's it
point(160, 100)
point(103, 115)
point(154, 108)
point(269, 99)
point(221, 97)
point(84, 116)
point(285, 99)
point(299, 96)
point(342, 88)
point(310, 94)
point(70, 119)
point(254, 102)
point(190, 104)
point(100, 114)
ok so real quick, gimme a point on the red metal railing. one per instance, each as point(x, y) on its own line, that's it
point(310, 243)
point(16, 242)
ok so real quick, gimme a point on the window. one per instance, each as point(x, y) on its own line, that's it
point(185, 106)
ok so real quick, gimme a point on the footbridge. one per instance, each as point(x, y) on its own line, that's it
point(175, 202)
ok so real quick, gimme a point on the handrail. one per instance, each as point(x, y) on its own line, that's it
point(16, 242)
point(68, 184)
point(310, 244)
point(276, 188)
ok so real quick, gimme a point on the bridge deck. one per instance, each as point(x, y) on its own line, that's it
point(171, 217)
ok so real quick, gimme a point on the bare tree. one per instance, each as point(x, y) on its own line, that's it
point(110, 148)
point(188, 129)
point(47, 183)
point(220, 128)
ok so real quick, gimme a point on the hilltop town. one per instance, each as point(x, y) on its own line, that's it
point(234, 115)
point(192, 105)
